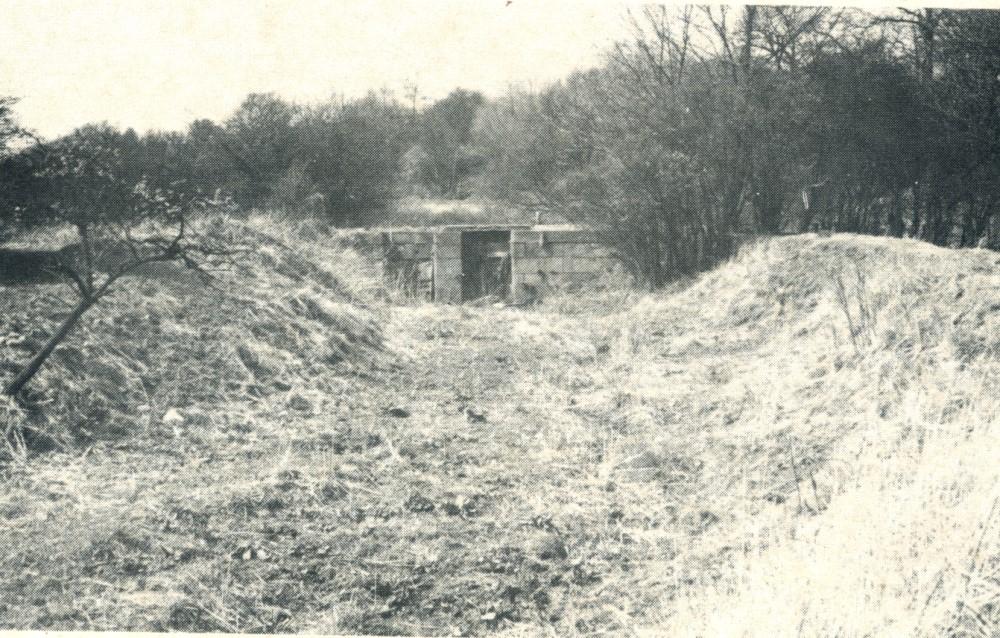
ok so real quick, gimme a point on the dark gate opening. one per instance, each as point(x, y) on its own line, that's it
point(485, 264)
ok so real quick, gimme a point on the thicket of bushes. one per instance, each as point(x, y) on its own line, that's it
point(711, 121)
point(342, 160)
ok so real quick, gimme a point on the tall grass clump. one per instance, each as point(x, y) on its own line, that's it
point(278, 325)
point(880, 358)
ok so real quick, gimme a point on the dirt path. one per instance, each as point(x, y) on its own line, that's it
point(449, 495)
point(500, 475)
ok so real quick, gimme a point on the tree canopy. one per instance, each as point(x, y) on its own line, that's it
point(705, 122)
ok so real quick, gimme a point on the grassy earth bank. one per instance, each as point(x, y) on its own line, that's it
point(807, 425)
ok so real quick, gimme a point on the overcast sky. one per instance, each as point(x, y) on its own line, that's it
point(160, 64)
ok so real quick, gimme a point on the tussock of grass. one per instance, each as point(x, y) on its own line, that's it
point(856, 385)
point(268, 326)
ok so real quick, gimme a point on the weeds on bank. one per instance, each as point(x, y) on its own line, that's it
point(798, 443)
point(902, 533)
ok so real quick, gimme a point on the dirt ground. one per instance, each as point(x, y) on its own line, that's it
point(459, 491)
point(606, 465)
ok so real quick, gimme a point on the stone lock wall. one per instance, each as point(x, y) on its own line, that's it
point(406, 259)
point(448, 266)
point(543, 260)
point(429, 262)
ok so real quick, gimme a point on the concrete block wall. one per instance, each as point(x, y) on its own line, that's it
point(448, 266)
point(407, 260)
point(430, 261)
point(545, 260)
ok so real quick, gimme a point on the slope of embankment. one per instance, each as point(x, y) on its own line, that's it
point(840, 396)
point(277, 316)
point(799, 442)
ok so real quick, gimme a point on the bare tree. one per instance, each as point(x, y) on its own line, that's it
point(122, 227)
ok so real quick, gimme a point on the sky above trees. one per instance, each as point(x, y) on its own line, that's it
point(160, 65)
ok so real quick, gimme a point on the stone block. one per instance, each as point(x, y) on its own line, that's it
point(588, 265)
point(531, 251)
point(526, 265)
point(531, 279)
point(571, 237)
point(580, 278)
point(547, 264)
point(525, 236)
point(586, 250)
point(447, 287)
point(448, 251)
point(447, 267)
point(448, 238)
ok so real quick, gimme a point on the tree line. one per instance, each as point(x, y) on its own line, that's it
point(714, 121)
point(704, 123)
point(345, 160)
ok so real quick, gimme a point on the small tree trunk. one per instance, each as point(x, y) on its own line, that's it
point(25, 375)
point(83, 230)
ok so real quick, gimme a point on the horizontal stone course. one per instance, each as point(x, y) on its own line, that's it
point(539, 259)
point(448, 251)
point(448, 238)
point(556, 236)
point(534, 250)
point(526, 264)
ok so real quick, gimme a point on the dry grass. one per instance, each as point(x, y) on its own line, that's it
point(273, 319)
point(867, 409)
point(800, 442)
